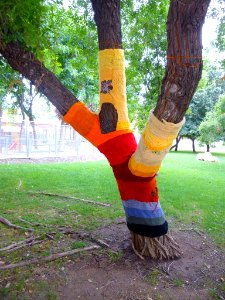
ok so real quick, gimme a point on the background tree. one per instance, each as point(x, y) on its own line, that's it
point(220, 42)
point(212, 128)
point(109, 131)
point(145, 46)
point(211, 87)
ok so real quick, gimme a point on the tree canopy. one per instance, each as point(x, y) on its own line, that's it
point(64, 39)
point(71, 52)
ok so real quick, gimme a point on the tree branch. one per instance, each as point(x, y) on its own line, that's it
point(184, 58)
point(70, 197)
point(48, 258)
point(45, 81)
point(9, 224)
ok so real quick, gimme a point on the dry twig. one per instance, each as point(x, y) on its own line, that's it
point(48, 258)
point(8, 223)
point(70, 197)
point(32, 224)
point(9, 247)
point(21, 244)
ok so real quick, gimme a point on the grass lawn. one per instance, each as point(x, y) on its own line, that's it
point(191, 192)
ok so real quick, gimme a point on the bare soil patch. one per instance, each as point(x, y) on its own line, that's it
point(124, 276)
point(117, 273)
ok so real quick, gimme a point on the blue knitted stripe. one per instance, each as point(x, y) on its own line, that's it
point(140, 213)
point(141, 205)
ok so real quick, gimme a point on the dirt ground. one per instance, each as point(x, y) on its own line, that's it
point(116, 273)
point(102, 276)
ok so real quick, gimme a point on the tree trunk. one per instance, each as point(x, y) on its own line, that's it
point(193, 145)
point(44, 80)
point(21, 133)
point(176, 144)
point(184, 65)
point(30, 115)
point(184, 58)
point(61, 134)
point(32, 123)
point(208, 148)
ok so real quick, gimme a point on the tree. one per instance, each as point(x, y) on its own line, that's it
point(211, 87)
point(134, 166)
point(220, 115)
point(212, 128)
point(145, 46)
point(209, 130)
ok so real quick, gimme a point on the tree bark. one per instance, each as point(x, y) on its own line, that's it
point(45, 81)
point(107, 19)
point(184, 58)
point(207, 148)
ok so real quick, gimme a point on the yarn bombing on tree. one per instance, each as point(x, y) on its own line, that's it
point(134, 166)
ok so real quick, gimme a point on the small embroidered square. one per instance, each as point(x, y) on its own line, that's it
point(106, 86)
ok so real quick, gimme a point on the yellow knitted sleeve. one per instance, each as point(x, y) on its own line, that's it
point(113, 83)
point(154, 144)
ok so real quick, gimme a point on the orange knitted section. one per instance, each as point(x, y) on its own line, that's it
point(88, 125)
point(80, 118)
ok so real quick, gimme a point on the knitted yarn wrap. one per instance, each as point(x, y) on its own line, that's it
point(113, 83)
point(154, 144)
point(134, 166)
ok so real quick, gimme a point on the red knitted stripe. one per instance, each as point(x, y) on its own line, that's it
point(119, 149)
point(140, 191)
point(121, 171)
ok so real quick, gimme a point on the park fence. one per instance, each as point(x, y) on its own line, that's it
point(30, 139)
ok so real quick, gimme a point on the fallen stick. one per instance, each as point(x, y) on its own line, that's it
point(32, 224)
point(8, 223)
point(47, 258)
point(70, 197)
point(32, 243)
point(9, 247)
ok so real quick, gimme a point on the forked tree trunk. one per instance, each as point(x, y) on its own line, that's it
point(183, 72)
point(110, 131)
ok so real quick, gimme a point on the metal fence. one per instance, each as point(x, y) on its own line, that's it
point(28, 139)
